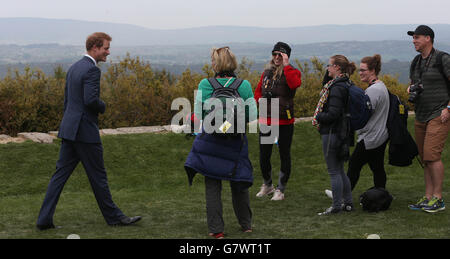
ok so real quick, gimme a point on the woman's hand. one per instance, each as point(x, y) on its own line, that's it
point(285, 59)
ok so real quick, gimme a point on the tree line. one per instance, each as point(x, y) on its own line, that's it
point(138, 95)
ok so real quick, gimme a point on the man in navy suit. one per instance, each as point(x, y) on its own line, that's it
point(81, 138)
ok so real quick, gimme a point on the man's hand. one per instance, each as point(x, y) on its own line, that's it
point(445, 115)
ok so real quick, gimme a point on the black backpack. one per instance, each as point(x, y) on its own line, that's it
point(375, 199)
point(232, 115)
point(402, 147)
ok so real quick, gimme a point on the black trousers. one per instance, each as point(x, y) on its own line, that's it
point(214, 211)
point(373, 157)
point(91, 156)
point(284, 147)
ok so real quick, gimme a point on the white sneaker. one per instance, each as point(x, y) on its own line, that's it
point(329, 193)
point(265, 190)
point(278, 196)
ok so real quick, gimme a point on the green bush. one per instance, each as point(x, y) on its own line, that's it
point(30, 101)
point(137, 95)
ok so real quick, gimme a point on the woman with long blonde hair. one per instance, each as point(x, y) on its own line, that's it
point(279, 80)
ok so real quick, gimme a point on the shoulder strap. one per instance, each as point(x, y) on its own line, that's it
point(236, 83)
point(439, 63)
point(214, 83)
point(413, 66)
point(439, 58)
point(440, 66)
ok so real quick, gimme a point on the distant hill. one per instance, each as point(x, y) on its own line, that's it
point(194, 54)
point(73, 32)
point(46, 43)
point(396, 55)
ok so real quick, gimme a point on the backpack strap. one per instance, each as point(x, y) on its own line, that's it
point(236, 83)
point(440, 66)
point(214, 83)
point(413, 66)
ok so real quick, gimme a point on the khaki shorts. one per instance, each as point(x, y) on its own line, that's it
point(430, 138)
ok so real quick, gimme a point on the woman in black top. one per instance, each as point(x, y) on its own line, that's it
point(330, 121)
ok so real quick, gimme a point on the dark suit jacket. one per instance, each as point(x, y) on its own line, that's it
point(82, 103)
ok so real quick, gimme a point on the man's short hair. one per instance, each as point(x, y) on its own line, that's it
point(96, 39)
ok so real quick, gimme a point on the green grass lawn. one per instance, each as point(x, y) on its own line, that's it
point(147, 178)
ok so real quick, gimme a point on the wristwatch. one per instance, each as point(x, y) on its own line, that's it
point(448, 108)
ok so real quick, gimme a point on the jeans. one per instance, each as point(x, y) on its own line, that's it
point(340, 184)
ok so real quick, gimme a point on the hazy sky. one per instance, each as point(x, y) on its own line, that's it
point(175, 14)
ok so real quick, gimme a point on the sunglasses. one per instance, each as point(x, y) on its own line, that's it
point(218, 49)
point(276, 54)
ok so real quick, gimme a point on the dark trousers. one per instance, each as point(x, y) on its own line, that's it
point(284, 147)
point(91, 156)
point(373, 157)
point(241, 204)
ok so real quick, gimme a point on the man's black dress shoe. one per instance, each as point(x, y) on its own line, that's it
point(45, 227)
point(126, 221)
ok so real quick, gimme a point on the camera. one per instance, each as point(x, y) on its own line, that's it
point(268, 95)
point(414, 91)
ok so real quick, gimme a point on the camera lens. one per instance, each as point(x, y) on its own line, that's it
point(414, 92)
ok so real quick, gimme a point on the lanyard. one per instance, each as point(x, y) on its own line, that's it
point(427, 64)
point(267, 81)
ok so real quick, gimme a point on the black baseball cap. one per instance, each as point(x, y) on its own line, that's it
point(422, 30)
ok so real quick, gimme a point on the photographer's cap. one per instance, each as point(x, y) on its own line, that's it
point(422, 30)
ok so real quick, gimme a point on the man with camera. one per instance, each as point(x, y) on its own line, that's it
point(430, 93)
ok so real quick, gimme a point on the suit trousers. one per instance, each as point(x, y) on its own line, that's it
point(91, 156)
point(241, 204)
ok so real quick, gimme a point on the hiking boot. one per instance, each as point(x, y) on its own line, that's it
point(434, 205)
point(420, 204)
point(278, 196)
point(265, 190)
point(329, 211)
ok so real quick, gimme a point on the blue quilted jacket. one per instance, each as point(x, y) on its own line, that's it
point(223, 158)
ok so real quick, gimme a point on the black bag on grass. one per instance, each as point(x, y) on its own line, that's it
point(375, 199)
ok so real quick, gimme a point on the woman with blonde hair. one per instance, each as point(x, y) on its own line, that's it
point(330, 120)
point(279, 80)
point(223, 156)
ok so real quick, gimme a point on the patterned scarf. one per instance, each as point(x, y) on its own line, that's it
point(323, 99)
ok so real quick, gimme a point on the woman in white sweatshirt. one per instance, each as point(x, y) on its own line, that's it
point(372, 139)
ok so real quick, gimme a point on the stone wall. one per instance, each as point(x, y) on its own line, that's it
point(39, 137)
